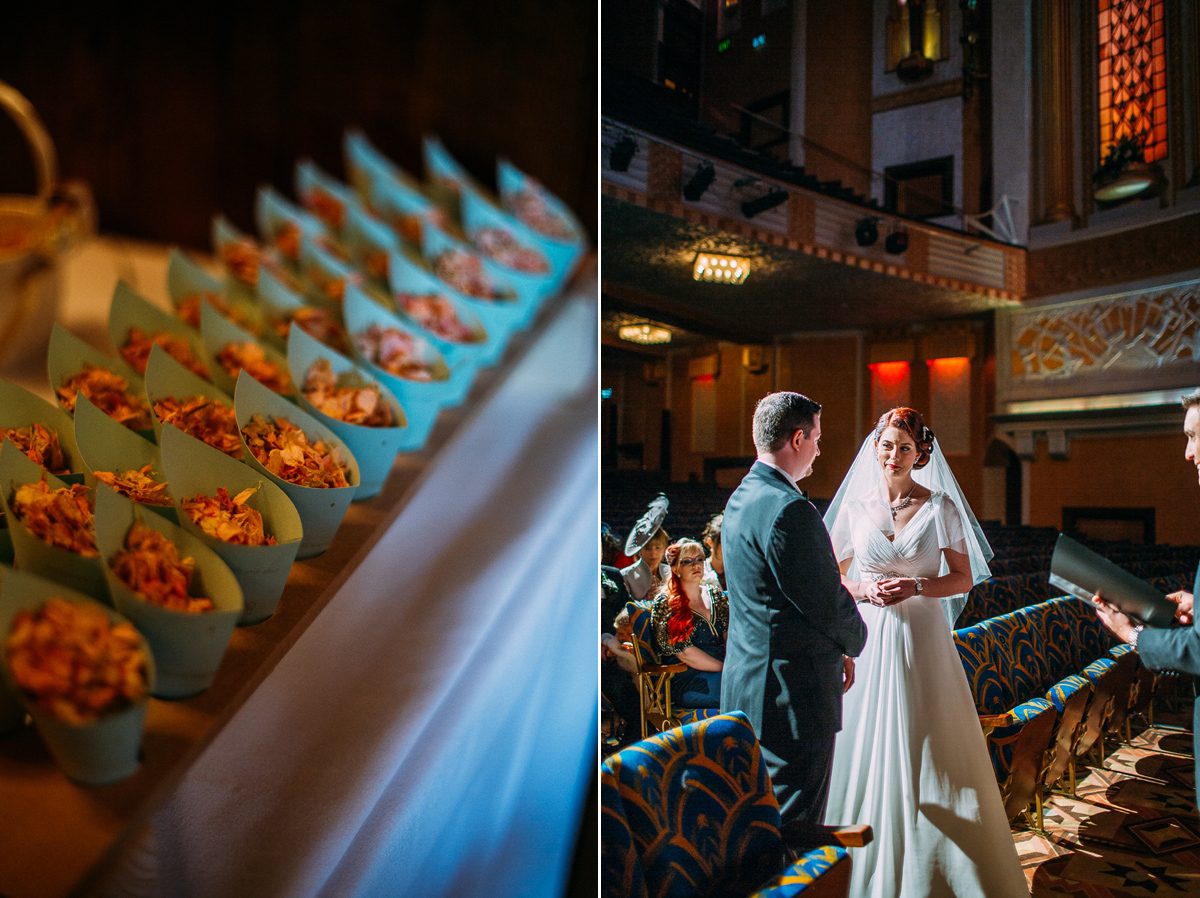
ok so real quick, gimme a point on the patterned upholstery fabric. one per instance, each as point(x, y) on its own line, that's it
point(804, 872)
point(690, 812)
point(1052, 657)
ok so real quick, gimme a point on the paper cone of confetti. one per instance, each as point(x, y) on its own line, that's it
point(462, 268)
point(99, 749)
point(58, 543)
point(188, 645)
point(196, 406)
point(321, 508)
point(191, 287)
point(283, 305)
point(198, 473)
point(125, 461)
point(115, 387)
point(405, 362)
point(228, 345)
point(135, 325)
point(510, 245)
point(354, 404)
point(35, 424)
point(550, 220)
point(462, 328)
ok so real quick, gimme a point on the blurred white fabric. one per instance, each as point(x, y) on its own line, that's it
point(433, 731)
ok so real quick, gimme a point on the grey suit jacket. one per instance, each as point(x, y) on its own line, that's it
point(790, 618)
point(1177, 648)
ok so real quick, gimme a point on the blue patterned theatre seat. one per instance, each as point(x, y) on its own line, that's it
point(690, 812)
point(1017, 721)
point(658, 711)
point(1051, 662)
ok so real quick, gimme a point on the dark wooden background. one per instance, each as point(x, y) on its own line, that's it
point(175, 111)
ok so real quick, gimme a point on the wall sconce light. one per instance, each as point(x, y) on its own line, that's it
point(867, 231)
point(622, 152)
point(720, 268)
point(754, 360)
point(897, 242)
point(699, 182)
point(767, 201)
point(646, 334)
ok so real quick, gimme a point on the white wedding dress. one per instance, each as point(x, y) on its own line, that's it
point(911, 759)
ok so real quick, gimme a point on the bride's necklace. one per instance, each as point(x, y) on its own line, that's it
point(904, 503)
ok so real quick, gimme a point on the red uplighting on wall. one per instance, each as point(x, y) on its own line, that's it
point(949, 367)
point(889, 373)
point(701, 378)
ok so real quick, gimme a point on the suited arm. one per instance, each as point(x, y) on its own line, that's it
point(801, 558)
point(1177, 648)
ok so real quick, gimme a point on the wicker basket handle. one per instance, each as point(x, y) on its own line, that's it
point(27, 120)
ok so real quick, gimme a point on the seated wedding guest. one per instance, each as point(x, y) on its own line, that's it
point(617, 667)
point(715, 569)
point(648, 541)
point(1172, 648)
point(610, 546)
point(612, 601)
point(690, 617)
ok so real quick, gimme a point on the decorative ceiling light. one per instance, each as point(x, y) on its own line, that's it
point(720, 268)
point(646, 334)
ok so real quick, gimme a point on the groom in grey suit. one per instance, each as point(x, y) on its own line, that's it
point(793, 627)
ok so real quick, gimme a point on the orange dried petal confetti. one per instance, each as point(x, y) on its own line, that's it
point(393, 350)
point(188, 309)
point(320, 324)
point(248, 355)
point(464, 272)
point(242, 258)
point(206, 419)
point(136, 350)
point(40, 444)
point(326, 206)
point(284, 449)
point(229, 519)
point(503, 247)
point(137, 484)
point(361, 405)
point(150, 565)
point(436, 314)
point(532, 209)
point(72, 662)
point(110, 393)
point(287, 240)
point(61, 517)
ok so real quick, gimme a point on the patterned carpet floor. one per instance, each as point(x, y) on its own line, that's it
point(1132, 827)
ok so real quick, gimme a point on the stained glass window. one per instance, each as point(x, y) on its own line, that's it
point(1132, 74)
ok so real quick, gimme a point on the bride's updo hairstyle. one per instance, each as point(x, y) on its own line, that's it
point(910, 421)
point(679, 624)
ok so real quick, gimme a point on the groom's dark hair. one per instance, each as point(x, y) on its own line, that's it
point(779, 415)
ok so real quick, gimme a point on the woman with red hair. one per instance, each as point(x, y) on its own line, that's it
point(690, 616)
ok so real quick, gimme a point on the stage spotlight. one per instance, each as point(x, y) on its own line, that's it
point(897, 242)
point(699, 182)
point(753, 207)
point(867, 232)
point(622, 152)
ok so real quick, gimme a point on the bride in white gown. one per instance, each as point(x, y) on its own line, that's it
point(911, 759)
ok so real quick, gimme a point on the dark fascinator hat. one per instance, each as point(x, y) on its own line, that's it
point(647, 525)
